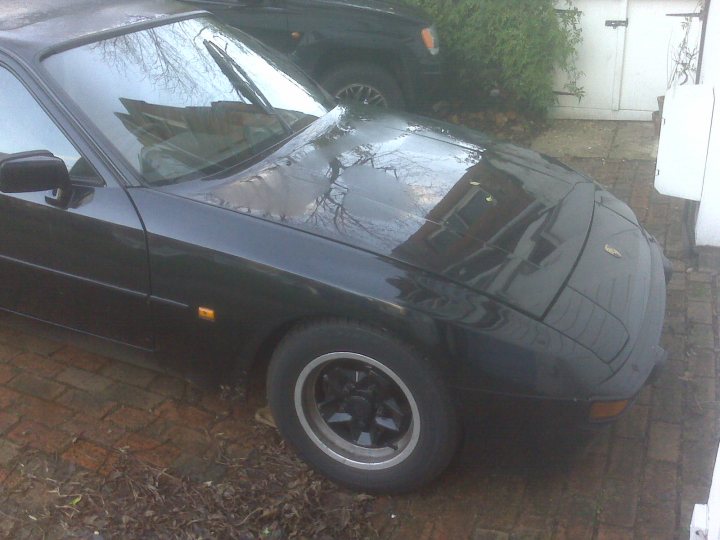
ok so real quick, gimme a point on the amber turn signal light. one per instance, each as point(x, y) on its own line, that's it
point(206, 314)
point(605, 410)
point(430, 40)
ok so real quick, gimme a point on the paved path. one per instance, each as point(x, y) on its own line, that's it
point(617, 141)
point(519, 476)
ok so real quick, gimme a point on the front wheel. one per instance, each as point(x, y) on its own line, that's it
point(362, 407)
point(364, 83)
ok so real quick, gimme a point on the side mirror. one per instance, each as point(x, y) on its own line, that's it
point(33, 171)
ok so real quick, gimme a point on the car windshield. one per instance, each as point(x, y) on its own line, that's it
point(188, 99)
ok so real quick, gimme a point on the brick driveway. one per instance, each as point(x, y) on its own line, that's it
point(519, 476)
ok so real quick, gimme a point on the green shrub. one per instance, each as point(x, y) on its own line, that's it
point(507, 45)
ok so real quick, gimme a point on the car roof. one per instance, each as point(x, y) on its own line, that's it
point(29, 27)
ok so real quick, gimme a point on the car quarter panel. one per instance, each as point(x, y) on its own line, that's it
point(260, 276)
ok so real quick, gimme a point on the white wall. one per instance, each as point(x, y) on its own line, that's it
point(707, 231)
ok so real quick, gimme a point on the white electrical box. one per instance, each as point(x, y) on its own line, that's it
point(684, 140)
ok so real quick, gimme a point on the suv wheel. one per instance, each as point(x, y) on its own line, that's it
point(365, 83)
point(362, 407)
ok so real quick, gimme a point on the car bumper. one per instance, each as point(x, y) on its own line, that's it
point(647, 357)
point(574, 375)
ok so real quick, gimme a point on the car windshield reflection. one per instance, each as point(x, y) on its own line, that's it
point(188, 99)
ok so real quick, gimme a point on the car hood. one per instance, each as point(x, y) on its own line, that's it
point(502, 220)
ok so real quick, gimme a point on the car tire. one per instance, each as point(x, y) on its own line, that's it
point(366, 83)
point(362, 407)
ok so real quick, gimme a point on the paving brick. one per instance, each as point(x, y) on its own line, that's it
point(634, 422)
point(45, 412)
point(575, 529)
point(128, 373)
point(607, 532)
point(587, 474)
point(658, 498)
point(702, 336)
point(135, 442)
point(453, 523)
point(36, 343)
point(189, 440)
point(701, 276)
point(699, 291)
point(645, 395)
point(158, 453)
point(130, 418)
point(231, 429)
point(703, 390)
point(701, 363)
point(626, 458)
point(619, 502)
point(664, 441)
point(698, 459)
point(644, 533)
point(676, 302)
point(92, 429)
point(111, 463)
point(84, 380)
point(185, 414)
point(677, 348)
point(543, 492)
point(678, 282)
point(485, 534)
point(7, 372)
point(526, 534)
point(7, 397)
point(86, 402)
point(667, 401)
point(86, 454)
point(699, 422)
point(81, 359)
point(500, 501)
point(213, 403)
point(7, 420)
point(700, 312)
point(168, 386)
point(675, 325)
point(36, 364)
point(7, 352)
point(8, 451)
point(39, 436)
point(528, 521)
point(131, 395)
point(36, 386)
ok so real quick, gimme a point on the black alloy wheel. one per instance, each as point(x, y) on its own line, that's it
point(362, 407)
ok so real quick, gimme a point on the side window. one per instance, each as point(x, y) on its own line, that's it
point(25, 126)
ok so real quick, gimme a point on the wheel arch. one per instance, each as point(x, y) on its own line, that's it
point(386, 59)
point(422, 333)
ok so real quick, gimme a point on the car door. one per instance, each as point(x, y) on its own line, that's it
point(264, 19)
point(80, 263)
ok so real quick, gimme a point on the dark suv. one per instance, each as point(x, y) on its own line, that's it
point(372, 51)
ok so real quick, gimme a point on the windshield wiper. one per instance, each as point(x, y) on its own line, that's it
point(243, 84)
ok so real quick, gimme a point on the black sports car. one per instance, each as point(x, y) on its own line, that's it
point(168, 183)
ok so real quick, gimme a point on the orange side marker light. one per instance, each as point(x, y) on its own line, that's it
point(206, 314)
